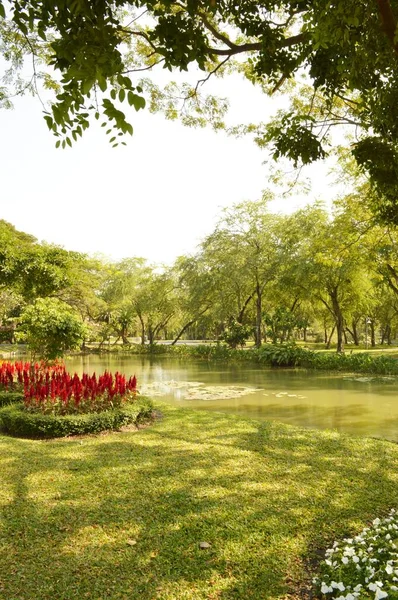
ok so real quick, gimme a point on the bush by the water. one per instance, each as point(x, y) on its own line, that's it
point(291, 355)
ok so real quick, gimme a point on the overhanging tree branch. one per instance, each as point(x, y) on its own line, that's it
point(388, 20)
point(257, 46)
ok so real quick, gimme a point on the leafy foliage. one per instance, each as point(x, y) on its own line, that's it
point(236, 334)
point(51, 328)
point(9, 397)
point(348, 50)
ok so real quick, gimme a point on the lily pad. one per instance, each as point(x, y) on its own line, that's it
point(194, 390)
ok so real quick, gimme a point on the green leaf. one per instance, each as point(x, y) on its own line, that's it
point(58, 117)
point(122, 95)
point(50, 122)
point(102, 82)
point(2, 11)
point(58, 143)
point(87, 84)
point(113, 94)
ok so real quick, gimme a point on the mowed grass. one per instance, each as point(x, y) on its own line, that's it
point(121, 515)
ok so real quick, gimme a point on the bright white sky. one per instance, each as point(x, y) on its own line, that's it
point(156, 198)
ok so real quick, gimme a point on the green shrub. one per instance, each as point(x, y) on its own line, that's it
point(286, 355)
point(8, 397)
point(16, 421)
point(237, 334)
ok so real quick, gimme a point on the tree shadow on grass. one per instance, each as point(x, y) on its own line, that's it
point(121, 516)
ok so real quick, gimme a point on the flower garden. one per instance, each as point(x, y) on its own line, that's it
point(42, 400)
point(365, 566)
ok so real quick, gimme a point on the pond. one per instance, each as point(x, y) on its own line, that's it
point(363, 405)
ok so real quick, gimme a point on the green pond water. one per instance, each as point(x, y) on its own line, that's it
point(363, 405)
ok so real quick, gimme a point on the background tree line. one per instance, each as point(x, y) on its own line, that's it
point(259, 276)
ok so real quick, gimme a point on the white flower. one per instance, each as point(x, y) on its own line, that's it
point(358, 587)
point(380, 594)
point(325, 589)
point(338, 586)
point(376, 522)
point(373, 587)
point(350, 597)
point(344, 560)
point(355, 559)
point(389, 569)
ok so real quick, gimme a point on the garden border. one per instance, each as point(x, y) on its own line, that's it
point(18, 422)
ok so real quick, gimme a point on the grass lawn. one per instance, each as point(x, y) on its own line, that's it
point(121, 515)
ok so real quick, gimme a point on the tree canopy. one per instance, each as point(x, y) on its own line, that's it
point(309, 274)
point(341, 57)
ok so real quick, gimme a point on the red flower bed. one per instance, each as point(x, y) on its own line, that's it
point(51, 389)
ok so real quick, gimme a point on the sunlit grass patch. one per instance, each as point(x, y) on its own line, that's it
point(123, 515)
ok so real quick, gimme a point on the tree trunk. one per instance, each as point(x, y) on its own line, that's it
point(142, 329)
point(354, 333)
point(304, 334)
point(339, 319)
point(372, 334)
point(151, 334)
point(187, 325)
point(258, 316)
point(329, 340)
point(242, 311)
point(123, 335)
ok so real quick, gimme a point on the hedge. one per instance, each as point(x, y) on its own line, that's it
point(7, 397)
point(16, 421)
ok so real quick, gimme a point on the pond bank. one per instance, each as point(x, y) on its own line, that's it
point(282, 355)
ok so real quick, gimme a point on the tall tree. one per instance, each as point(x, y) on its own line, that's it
point(248, 243)
point(334, 266)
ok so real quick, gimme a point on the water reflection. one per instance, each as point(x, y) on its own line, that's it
point(361, 405)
